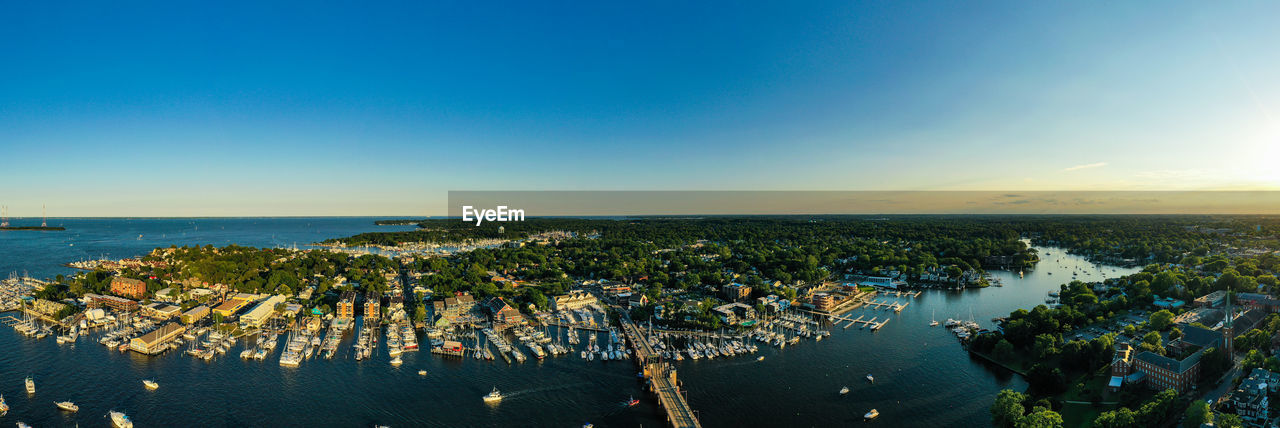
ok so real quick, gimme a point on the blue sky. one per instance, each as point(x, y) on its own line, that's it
point(347, 109)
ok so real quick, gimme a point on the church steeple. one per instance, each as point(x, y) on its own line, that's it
point(1228, 327)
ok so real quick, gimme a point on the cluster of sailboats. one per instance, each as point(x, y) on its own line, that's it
point(266, 343)
point(214, 343)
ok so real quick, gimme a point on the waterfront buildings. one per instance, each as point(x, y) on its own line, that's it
point(195, 314)
point(262, 312)
point(575, 299)
point(372, 306)
point(824, 302)
point(230, 306)
point(158, 340)
point(458, 306)
point(113, 302)
point(734, 313)
point(347, 305)
point(128, 287)
point(47, 307)
point(503, 315)
point(161, 311)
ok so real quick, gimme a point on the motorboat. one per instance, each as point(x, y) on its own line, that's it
point(871, 378)
point(633, 401)
point(150, 384)
point(871, 415)
point(760, 358)
point(31, 385)
point(844, 390)
point(422, 372)
point(68, 406)
point(120, 420)
point(493, 396)
point(4, 408)
point(397, 361)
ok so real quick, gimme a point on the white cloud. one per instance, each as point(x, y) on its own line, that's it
point(1086, 166)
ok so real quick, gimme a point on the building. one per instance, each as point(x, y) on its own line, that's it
point(157, 340)
point(1163, 372)
point(736, 292)
point(1250, 401)
point(576, 299)
point(161, 311)
point(1167, 373)
point(372, 306)
point(502, 314)
point(734, 313)
point(1167, 303)
point(195, 314)
point(824, 302)
point(262, 312)
point(1211, 300)
point(117, 303)
point(1121, 366)
point(347, 305)
point(47, 307)
point(1260, 302)
point(128, 287)
point(458, 306)
point(637, 300)
point(230, 307)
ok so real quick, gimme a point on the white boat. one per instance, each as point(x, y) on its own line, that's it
point(761, 358)
point(397, 361)
point(844, 390)
point(422, 372)
point(120, 420)
point(493, 396)
point(22, 425)
point(871, 415)
point(871, 378)
point(150, 384)
point(68, 406)
point(31, 385)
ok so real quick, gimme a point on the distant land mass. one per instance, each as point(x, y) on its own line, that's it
point(33, 228)
point(400, 222)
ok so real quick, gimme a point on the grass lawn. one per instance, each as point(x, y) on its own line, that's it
point(1091, 388)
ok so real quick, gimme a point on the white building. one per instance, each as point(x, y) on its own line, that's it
point(261, 313)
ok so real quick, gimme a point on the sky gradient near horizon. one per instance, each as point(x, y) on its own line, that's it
point(163, 109)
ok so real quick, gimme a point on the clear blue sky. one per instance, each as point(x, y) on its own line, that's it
point(132, 109)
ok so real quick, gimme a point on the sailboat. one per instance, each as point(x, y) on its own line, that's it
point(934, 323)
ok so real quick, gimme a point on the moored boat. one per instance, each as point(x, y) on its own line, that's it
point(31, 385)
point(150, 384)
point(871, 415)
point(68, 406)
point(844, 390)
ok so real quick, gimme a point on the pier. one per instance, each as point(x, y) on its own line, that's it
point(896, 306)
point(662, 378)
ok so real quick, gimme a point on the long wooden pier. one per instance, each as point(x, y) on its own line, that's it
point(662, 379)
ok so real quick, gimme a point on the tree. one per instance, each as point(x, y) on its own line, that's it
point(1227, 420)
point(419, 313)
point(1160, 320)
point(1004, 350)
point(1175, 334)
point(1152, 342)
point(1046, 346)
point(1007, 409)
point(1040, 418)
point(1119, 418)
point(1197, 414)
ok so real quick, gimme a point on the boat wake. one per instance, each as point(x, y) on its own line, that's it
point(507, 395)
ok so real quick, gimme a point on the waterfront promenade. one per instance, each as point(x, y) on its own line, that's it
point(663, 379)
